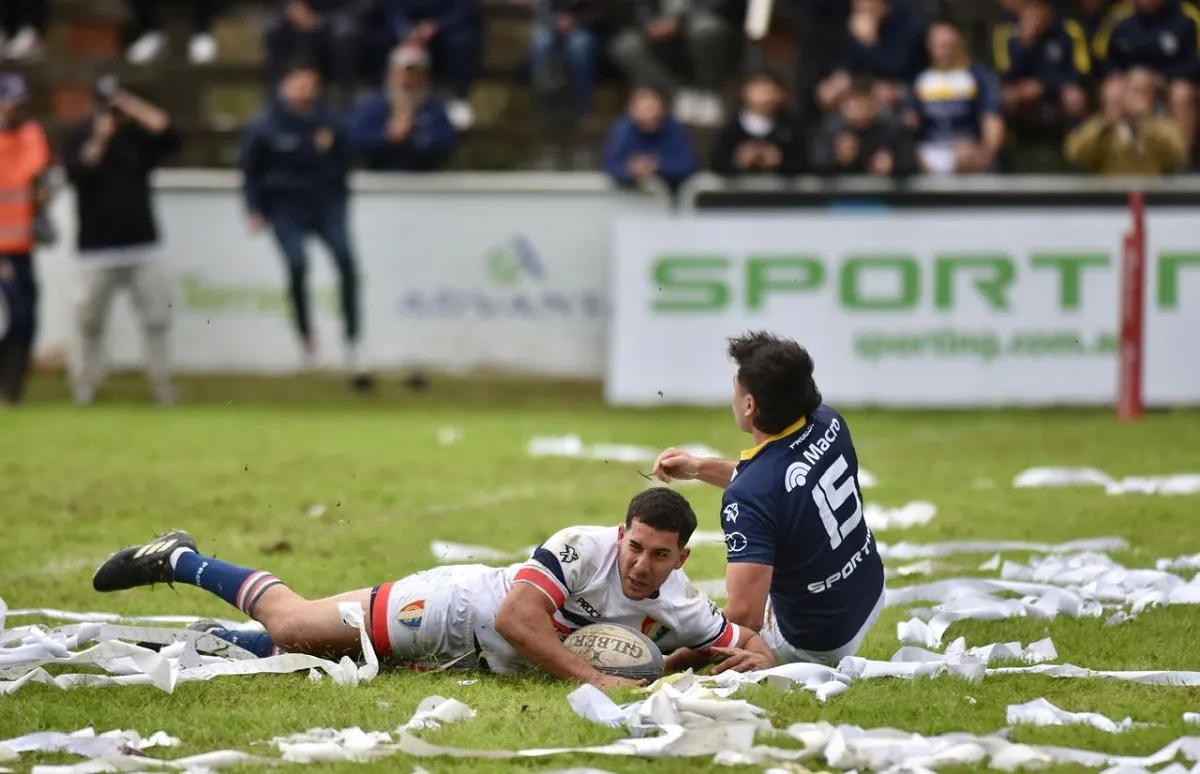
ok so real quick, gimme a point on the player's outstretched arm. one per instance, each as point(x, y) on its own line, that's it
point(749, 654)
point(523, 620)
point(676, 464)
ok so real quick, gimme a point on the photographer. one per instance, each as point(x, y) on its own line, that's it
point(24, 156)
point(1127, 137)
point(108, 160)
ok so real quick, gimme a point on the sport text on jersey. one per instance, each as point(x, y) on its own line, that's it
point(797, 472)
point(847, 569)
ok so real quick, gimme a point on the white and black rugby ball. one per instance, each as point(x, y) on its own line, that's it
point(617, 650)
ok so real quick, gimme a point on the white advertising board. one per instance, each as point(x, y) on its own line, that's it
point(907, 309)
point(451, 280)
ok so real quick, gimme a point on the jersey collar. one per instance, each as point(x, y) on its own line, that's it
point(751, 453)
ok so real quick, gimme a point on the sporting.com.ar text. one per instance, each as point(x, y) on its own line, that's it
point(983, 345)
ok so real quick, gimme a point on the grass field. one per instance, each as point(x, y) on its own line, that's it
point(241, 463)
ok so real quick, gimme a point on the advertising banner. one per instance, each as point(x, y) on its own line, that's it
point(452, 281)
point(907, 309)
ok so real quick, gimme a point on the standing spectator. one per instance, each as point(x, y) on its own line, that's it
point(820, 31)
point(22, 27)
point(24, 156)
point(150, 40)
point(402, 127)
point(565, 33)
point(109, 159)
point(886, 43)
point(955, 108)
point(1042, 61)
point(648, 142)
point(295, 161)
point(451, 31)
point(863, 140)
point(1128, 138)
point(764, 137)
point(328, 32)
point(1159, 35)
point(665, 25)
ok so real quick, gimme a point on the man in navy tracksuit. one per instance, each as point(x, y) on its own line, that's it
point(295, 161)
point(803, 565)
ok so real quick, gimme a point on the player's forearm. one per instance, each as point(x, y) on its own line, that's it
point(685, 658)
point(535, 642)
point(716, 472)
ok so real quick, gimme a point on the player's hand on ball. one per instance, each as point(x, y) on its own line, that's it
point(676, 464)
point(607, 683)
point(739, 660)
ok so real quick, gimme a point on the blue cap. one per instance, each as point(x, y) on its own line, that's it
point(13, 88)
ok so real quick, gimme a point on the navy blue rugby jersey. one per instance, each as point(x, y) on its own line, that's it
point(795, 504)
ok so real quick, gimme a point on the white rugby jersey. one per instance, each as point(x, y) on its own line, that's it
point(577, 569)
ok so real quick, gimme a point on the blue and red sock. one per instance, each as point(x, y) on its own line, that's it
point(239, 586)
point(258, 643)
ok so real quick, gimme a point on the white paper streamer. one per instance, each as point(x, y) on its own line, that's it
point(1040, 712)
point(1173, 484)
point(911, 515)
point(25, 652)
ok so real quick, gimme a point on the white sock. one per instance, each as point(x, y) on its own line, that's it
point(178, 552)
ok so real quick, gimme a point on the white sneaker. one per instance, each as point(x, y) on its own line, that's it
point(684, 108)
point(203, 49)
point(709, 110)
point(461, 114)
point(26, 45)
point(147, 48)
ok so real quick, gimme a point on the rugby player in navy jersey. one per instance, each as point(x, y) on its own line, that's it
point(802, 563)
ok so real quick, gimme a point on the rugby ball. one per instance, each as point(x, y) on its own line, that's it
point(617, 650)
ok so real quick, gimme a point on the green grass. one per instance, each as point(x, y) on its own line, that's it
point(242, 461)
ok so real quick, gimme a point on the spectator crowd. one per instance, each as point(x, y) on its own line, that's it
point(886, 88)
point(882, 87)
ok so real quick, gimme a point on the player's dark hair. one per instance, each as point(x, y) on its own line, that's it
point(664, 510)
point(778, 374)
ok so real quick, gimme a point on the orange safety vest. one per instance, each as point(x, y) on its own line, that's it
point(24, 154)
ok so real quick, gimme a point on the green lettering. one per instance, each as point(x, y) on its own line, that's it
point(993, 284)
point(690, 283)
point(906, 292)
point(780, 274)
point(1070, 268)
point(1169, 266)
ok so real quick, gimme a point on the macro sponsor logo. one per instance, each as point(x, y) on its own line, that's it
point(796, 475)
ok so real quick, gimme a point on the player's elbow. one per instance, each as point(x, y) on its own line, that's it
point(744, 616)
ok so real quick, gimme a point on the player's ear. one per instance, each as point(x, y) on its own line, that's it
point(683, 557)
point(620, 532)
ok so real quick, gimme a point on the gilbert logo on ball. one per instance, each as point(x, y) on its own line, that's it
point(617, 650)
point(411, 614)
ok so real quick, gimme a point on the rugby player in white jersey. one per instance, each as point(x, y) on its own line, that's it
point(505, 620)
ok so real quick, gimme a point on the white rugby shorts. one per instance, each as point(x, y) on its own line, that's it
point(787, 653)
point(440, 618)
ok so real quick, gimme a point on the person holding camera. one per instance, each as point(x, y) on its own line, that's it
point(109, 159)
point(24, 156)
point(1129, 136)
